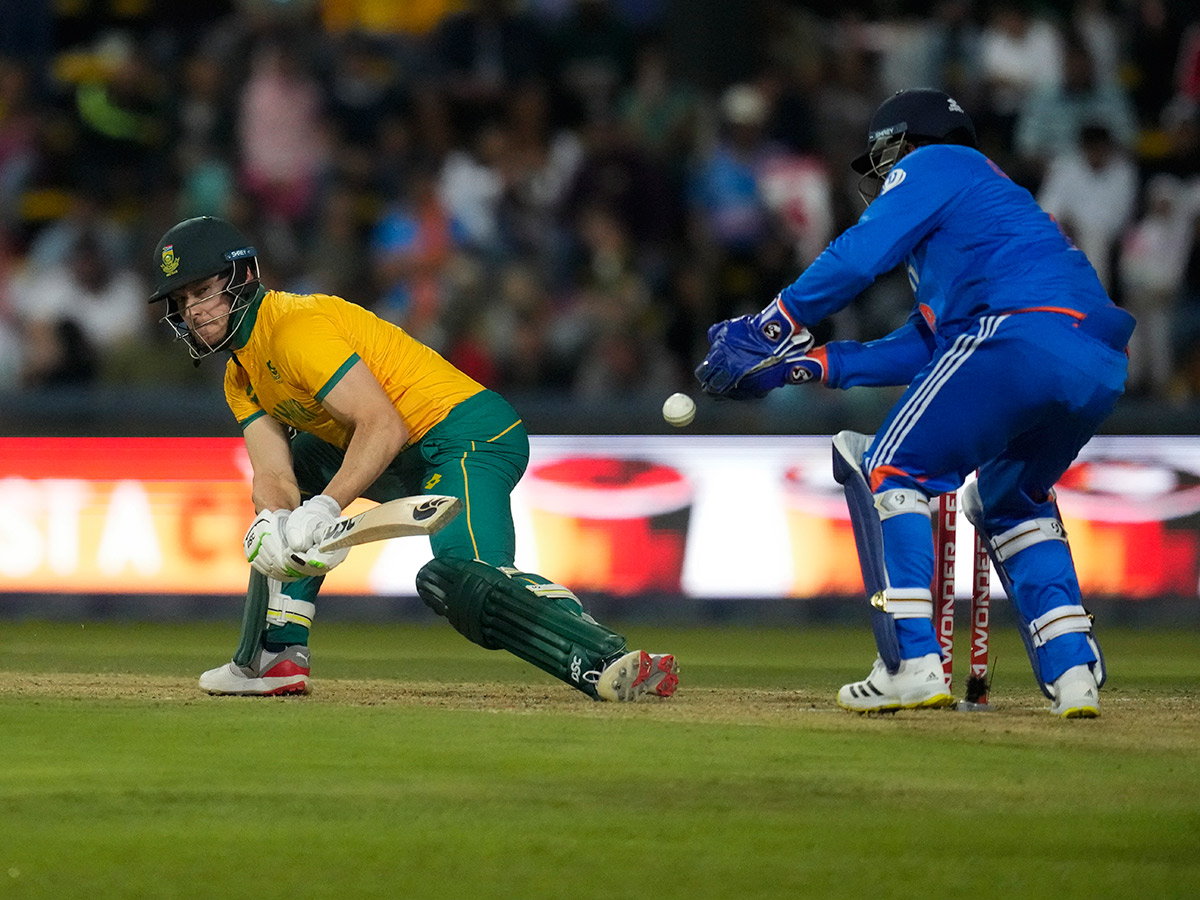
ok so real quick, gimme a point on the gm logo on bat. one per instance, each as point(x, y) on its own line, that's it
point(428, 508)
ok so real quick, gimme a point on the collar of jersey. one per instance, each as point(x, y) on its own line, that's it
point(241, 337)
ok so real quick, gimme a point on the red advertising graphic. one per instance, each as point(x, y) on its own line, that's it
point(683, 515)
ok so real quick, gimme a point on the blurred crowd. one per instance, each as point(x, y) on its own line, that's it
point(561, 195)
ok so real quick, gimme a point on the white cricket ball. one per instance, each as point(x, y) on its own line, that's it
point(679, 410)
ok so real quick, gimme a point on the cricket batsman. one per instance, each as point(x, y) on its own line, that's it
point(1013, 355)
point(335, 403)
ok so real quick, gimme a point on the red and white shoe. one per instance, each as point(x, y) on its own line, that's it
point(637, 673)
point(284, 672)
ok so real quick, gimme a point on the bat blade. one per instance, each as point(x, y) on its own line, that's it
point(425, 514)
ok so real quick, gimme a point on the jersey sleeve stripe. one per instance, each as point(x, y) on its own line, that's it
point(336, 377)
point(250, 418)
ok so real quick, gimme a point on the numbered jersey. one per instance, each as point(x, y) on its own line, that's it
point(293, 349)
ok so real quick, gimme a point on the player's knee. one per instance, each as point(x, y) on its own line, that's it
point(458, 589)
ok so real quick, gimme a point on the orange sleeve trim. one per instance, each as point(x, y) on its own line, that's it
point(821, 355)
point(879, 473)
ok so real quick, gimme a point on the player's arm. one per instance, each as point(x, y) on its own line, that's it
point(378, 433)
point(274, 483)
point(888, 230)
point(752, 355)
point(892, 360)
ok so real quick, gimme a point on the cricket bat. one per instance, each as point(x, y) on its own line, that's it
point(423, 514)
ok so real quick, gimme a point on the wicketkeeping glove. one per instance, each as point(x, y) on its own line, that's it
point(793, 370)
point(747, 345)
point(266, 550)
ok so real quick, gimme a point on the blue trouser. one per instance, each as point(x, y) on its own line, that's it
point(1015, 398)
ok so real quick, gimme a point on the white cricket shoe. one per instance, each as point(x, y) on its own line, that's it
point(284, 672)
point(637, 673)
point(920, 683)
point(1076, 695)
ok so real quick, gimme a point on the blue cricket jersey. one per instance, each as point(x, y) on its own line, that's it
point(973, 244)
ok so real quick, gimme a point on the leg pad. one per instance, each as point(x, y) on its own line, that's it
point(491, 609)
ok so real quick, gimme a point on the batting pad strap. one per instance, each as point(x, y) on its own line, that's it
point(1026, 534)
point(900, 500)
point(1059, 621)
point(282, 609)
point(904, 603)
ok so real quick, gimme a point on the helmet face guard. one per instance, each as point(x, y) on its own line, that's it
point(241, 283)
point(884, 150)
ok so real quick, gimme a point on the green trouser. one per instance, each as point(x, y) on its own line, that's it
point(477, 453)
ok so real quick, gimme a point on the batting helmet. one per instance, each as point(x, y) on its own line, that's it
point(196, 249)
point(919, 114)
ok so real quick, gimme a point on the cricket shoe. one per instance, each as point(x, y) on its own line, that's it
point(920, 683)
point(637, 673)
point(1076, 695)
point(281, 672)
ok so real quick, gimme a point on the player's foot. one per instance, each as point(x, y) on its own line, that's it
point(637, 673)
point(919, 684)
point(282, 672)
point(1076, 695)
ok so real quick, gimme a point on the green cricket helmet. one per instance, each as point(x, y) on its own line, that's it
point(196, 250)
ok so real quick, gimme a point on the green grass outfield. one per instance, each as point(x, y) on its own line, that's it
point(425, 767)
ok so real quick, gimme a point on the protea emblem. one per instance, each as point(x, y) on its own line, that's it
point(170, 262)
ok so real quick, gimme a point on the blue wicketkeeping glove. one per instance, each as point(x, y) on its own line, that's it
point(770, 343)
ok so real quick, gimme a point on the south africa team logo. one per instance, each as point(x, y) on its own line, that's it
point(170, 262)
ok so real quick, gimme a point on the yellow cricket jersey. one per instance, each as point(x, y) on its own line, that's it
point(294, 348)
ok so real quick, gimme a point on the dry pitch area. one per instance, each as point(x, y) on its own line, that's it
point(1133, 719)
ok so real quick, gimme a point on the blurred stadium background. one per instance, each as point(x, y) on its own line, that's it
point(560, 196)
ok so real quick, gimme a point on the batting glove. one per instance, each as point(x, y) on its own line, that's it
point(265, 548)
point(314, 563)
point(307, 524)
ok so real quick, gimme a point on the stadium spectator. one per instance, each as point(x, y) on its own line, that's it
point(74, 312)
point(1020, 53)
point(282, 135)
point(410, 246)
point(1092, 192)
point(1051, 120)
point(1153, 264)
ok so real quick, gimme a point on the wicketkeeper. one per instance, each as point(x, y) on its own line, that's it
point(1013, 355)
point(335, 404)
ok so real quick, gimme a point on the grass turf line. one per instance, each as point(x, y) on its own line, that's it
point(423, 766)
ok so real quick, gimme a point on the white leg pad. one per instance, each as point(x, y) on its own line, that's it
point(1059, 621)
point(1026, 534)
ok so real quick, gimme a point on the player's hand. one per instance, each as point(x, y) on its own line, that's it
point(266, 550)
point(314, 563)
point(308, 523)
point(747, 345)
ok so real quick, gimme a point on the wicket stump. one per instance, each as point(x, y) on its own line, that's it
point(945, 532)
